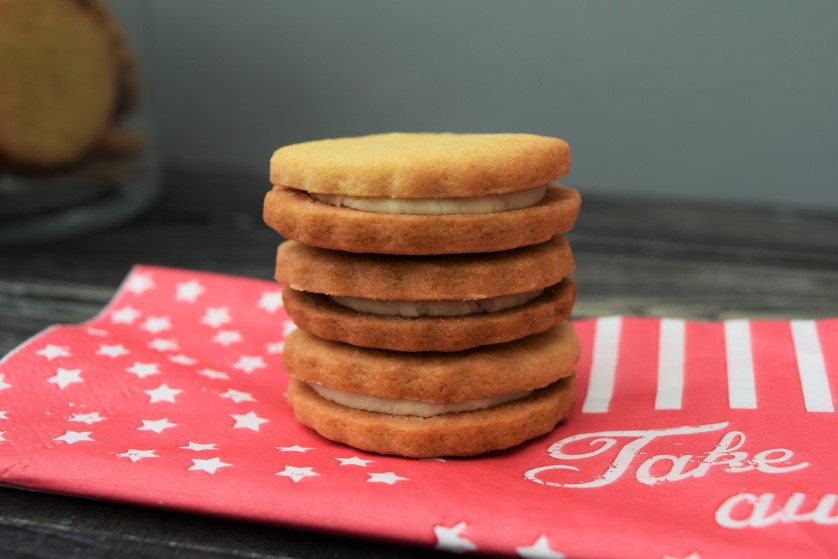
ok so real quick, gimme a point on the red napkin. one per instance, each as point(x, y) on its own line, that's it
point(688, 439)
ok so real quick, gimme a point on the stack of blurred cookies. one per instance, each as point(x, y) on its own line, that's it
point(67, 75)
point(429, 279)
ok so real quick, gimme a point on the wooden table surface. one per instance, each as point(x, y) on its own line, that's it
point(638, 257)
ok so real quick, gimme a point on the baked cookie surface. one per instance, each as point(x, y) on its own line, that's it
point(453, 434)
point(525, 364)
point(401, 165)
point(320, 316)
point(416, 278)
point(58, 81)
point(295, 215)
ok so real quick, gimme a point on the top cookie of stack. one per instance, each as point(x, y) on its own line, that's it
point(422, 193)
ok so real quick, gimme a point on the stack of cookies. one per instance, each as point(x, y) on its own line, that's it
point(428, 276)
point(67, 76)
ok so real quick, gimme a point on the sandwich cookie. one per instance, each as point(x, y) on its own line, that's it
point(427, 303)
point(433, 404)
point(422, 193)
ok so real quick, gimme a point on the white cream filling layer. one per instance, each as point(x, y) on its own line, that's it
point(439, 206)
point(415, 309)
point(417, 408)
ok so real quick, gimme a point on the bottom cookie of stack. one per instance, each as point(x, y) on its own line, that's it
point(432, 404)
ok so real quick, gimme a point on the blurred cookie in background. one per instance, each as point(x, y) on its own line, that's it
point(72, 159)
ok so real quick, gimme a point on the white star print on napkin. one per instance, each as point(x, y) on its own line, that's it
point(52, 351)
point(65, 377)
point(189, 291)
point(208, 465)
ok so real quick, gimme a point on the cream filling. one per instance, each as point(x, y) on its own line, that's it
point(418, 408)
point(439, 206)
point(415, 309)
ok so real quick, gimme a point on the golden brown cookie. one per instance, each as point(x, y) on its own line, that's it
point(526, 364)
point(401, 165)
point(295, 215)
point(58, 81)
point(453, 434)
point(416, 278)
point(320, 316)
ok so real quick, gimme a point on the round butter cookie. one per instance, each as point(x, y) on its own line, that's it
point(389, 277)
point(525, 364)
point(296, 215)
point(58, 81)
point(452, 434)
point(401, 165)
point(321, 316)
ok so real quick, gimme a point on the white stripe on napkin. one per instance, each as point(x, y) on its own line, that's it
point(670, 388)
point(811, 367)
point(603, 365)
point(741, 388)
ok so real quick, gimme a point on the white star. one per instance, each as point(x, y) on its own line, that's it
point(354, 461)
point(162, 394)
point(156, 425)
point(270, 301)
point(274, 348)
point(449, 538)
point(163, 345)
point(249, 363)
point(88, 418)
point(1, 436)
point(125, 315)
point(3, 414)
point(216, 316)
point(227, 337)
point(540, 549)
point(64, 377)
point(197, 447)
point(287, 327)
point(97, 332)
point(52, 351)
point(182, 360)
point(142, 370)
point(389, 478)
point(296, 474)
point(112, 350)
point(188, 291)
point(215, 375)
point(208, 465)
point(238, 396)
point(135, 455)
point(156, 324)
point(295, 448)
point(139, 283)
point(71, 437)
point(3, 384)
point(248, 420)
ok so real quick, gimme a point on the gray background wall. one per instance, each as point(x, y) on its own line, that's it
point(706, 99)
